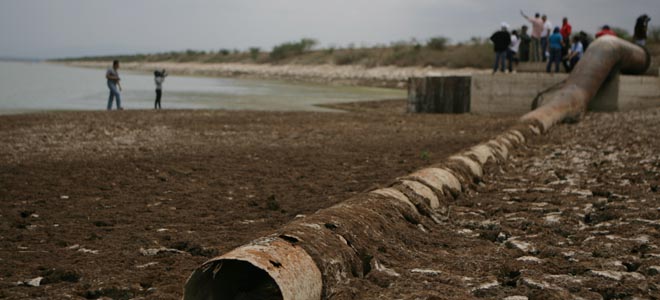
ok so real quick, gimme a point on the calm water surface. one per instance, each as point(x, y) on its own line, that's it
point(27, 87)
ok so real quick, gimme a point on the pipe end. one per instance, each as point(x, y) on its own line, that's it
point(231, 279)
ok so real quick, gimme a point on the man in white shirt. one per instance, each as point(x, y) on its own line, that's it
point(113, 84)
point(547, 30)
point(512, 54)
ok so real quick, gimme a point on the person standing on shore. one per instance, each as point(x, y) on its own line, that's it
point(555, 44)
point(605, 30)
point(537, 29)
point(545, 35)
point(641, 26)
point(159, 77)
point(566, 30)
point(525, 41)
point(512, 52)
point(501, 41)
point(113, 84)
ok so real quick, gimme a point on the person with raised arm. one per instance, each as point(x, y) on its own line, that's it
point(537, 29)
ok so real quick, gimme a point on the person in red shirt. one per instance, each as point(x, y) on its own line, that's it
point(566, 29)
point(605, 31)
point(565, 32)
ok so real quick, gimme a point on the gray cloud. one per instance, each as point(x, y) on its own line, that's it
point(59, 28)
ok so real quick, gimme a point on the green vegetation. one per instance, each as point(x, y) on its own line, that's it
point(622, 33)
point(438, 43)
point(292, 49)
point(254, 53)
point(436, 52)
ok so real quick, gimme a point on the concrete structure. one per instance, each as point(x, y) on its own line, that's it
point(509, 93)
point(535, 67)
point(514, 93)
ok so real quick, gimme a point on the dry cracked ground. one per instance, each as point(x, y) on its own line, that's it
point(574, 214)
point(126, 206)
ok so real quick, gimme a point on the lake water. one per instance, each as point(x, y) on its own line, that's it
point(27, 87)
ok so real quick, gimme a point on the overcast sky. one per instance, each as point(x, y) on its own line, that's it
point(65, 28)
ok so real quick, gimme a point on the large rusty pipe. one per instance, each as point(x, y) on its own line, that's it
point(605, 55)
point(311, 257)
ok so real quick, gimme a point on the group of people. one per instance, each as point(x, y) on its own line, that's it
point(548, 43)
point(112, 76)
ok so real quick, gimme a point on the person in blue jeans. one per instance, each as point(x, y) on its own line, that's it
point(555, 44)
point(501, 41)
point(113, 84)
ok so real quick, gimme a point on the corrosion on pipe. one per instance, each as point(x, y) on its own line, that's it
point(311, 257)
point(605, 55)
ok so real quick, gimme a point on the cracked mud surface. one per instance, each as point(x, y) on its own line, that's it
point(126, 204)
point(140, 199)
point(574, 214)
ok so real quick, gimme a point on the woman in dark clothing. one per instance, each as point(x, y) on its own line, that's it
point(641, 26)
point(525, 41)
point(159, 77)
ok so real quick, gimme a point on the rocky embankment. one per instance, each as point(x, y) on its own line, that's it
point(345, 75)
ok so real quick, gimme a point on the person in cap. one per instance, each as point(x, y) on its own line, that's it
point(605, 30)
point(501, 41)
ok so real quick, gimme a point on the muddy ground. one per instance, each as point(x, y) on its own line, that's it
point(88, 198)
point(574, 214)
point(125, 205)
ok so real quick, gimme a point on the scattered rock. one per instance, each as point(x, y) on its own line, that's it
point(515, 298)
point(149, 264)
point(653, 270)
point(541, 190)
point(531, 283)
point(90, 251)
point(485, 287)
point(34, 282)
point(156, 251)
point(552, 219)
point(529, 259)
point(194, 249)
point(526, 247)
point(426, 271)
point(618, 276)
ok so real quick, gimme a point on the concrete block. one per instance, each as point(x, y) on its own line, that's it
point(509, 93)
point(639, 92)
point(514, 93)
point(607, 98)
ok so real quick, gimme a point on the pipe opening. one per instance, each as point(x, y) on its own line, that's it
point(231, 279)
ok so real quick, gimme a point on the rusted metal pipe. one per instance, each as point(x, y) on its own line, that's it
point(605, 55)
point(312, 257)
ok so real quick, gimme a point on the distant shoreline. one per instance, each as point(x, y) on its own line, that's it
point(389, 77)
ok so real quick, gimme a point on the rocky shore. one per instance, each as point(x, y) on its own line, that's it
point(395, 77)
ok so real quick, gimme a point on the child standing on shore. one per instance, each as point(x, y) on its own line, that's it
point(159, 77)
